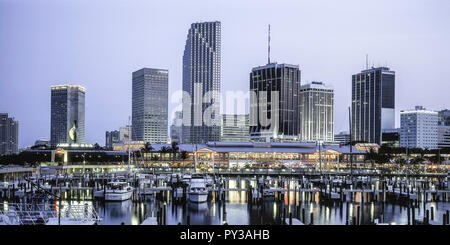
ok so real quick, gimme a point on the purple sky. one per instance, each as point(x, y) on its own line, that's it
point(98, 44)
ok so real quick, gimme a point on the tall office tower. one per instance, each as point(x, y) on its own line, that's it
point(9, 135)
point(112, 137)
point(150, 98)
point(444, 117)
point(373, 104)
point(419, 128)
point(274, 103)
point(201, 81)
point(235, 128)
point(175, 129)
point(67, 114)
point(124, 133)
point(316, 112)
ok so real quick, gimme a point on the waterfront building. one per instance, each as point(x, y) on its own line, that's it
point(133, 145)
point(112, 137)
point(419, 128)
point(274, 103)
point(241, 155)
point(373, 104)
point(201, 82)
point(263, 157)
point(9, 135)
point(150, 97)
point(342, 138)
point(443, 136)
point(67, 114)
point(316, 112)
point(176, 133)
point(235, 128)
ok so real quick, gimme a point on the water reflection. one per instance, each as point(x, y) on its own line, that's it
point(236, 211)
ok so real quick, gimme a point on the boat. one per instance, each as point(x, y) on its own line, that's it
point(197, 189)
point(269, 191)
point(145, 178)
point(186, 178)
point(118, 191)
point(174, 178)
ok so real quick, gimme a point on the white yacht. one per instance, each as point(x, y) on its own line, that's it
point(197, 189)
point(118, 191)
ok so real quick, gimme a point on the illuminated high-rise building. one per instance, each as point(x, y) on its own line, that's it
point(150, 98)
point(373, 104)
point(316, 112)
point(67, 114)
point(201, 81)
point(9, 134)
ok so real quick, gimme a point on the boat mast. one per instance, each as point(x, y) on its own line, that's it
point(350, 129)
point(320, 157)
point(195, 159)
point(129, 147)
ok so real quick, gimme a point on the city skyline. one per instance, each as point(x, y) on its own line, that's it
point(43, 47)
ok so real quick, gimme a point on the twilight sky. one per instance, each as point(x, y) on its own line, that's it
point(98, 44)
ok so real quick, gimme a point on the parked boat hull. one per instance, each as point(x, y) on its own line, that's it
point(198, 197)
point(118, 196)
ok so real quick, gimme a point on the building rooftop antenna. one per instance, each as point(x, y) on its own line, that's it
point(268, 47)
point(367, 61)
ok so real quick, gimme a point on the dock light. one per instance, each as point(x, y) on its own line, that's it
point(392, 223)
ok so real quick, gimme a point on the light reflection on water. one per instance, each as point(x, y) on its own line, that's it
point(236, 211)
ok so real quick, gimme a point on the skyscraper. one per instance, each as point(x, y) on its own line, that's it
point(112, 137)
point(9, 135)
point(444, 129)
point(67, 114)
point(201, 83)
point(419, 128)
point(235, 128)
point(316, 112)
point(150, 95)
point(274, 102)
point(373, 104)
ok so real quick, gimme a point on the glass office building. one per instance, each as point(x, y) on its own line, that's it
point(9, 135)
point(67, 114)
point(373, 104)
point(274, 103)
point(201, 81)
point(150, 95)
point(316, 112)
point(111, 138)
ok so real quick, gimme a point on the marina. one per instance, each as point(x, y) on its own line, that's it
point(192, 198)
